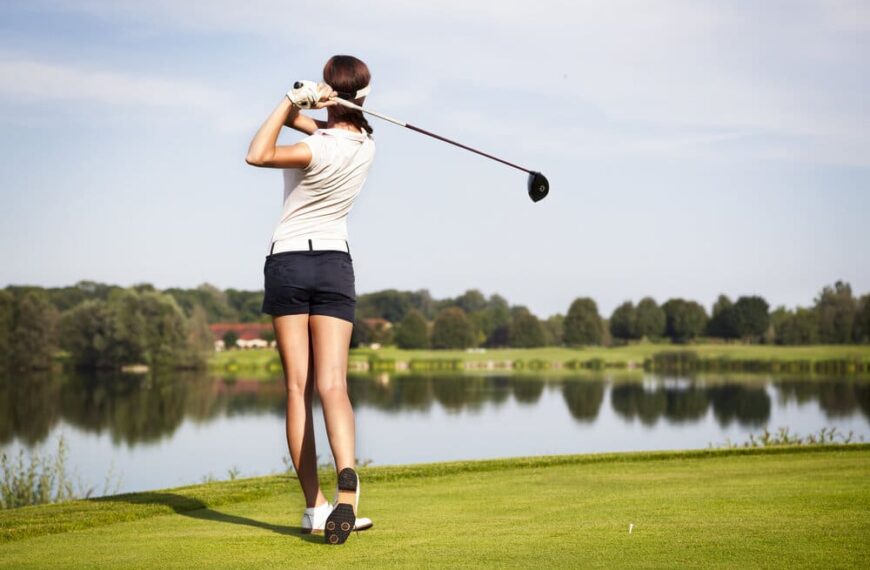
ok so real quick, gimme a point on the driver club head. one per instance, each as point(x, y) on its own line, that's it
point(539, 186)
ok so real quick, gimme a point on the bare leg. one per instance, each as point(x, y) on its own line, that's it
point(294, 346)
point(330, 338)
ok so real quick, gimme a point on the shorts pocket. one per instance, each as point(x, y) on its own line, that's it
point(286, 271)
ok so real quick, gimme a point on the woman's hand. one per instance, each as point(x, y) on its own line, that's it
point(310, 95)
point(326, 95)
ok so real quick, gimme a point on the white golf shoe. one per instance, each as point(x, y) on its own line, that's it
point(343, 519)
point(355, 500)
point(361, 523)
point(314, 518)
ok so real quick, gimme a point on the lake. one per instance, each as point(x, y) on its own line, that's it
point(149, 432)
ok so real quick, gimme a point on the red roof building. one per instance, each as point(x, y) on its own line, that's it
point(245, 331)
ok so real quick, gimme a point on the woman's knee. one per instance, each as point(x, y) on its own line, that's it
point(296, 382)
point(330, 389)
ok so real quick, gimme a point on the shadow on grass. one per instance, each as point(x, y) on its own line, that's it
point(196, 509)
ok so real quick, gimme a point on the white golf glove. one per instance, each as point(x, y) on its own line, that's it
point(308, 94)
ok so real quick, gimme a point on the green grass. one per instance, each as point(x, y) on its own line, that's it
point(787, 507)
point(631, 353)
point(257, 360)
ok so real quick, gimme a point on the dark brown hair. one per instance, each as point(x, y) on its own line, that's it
point(346, 74)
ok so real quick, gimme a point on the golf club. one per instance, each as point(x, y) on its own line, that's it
point(538, 185)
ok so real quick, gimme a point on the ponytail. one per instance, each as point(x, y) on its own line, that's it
point(364, 124)
point(347, 74)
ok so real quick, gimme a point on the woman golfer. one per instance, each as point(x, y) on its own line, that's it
point(309, 277)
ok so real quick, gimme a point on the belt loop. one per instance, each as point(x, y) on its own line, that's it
point(310, 247)
point(272, 249)
point(348, 247)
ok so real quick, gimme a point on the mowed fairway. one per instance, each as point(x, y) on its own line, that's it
point(778, 508)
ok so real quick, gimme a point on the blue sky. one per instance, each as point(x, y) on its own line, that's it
point(693, 148)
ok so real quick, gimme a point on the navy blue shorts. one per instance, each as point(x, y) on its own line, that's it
point(319, 282)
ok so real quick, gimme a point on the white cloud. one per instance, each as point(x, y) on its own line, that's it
point(29, 81)
point(26, 79)
point(755, 68)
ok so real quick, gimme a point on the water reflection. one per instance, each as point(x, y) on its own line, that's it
point(583, 399)
point(748, 405)
point(527, 390)
point(837, 399)
point(132, 408)
point(136, 409)
point(29, 407)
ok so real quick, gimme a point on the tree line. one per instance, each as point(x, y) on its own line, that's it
point(473, 320)
point(105, 326)
point(100, 327)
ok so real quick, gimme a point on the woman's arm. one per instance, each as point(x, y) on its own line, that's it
point(305, 124)
point(264, 152)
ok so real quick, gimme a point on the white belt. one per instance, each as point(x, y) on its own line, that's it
point(305, 244)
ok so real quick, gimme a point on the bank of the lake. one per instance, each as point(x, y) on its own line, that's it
point(733, 357)
point(782, 507)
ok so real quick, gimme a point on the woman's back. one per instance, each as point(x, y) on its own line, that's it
point(317, 198)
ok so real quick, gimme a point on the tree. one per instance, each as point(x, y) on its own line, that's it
point(499, 337)
point(135, 325)
point(798, 327)
point(65, 298)
point(151, 327)
point(87, 332)
point(452, 329)
point(471, 301)
point(494, 321)
point(650, 319)
point(230, 338)
point(392, 304)
point(723, 322)
point(751, 317)
point(778, 316)
point(33, 332)
point(836, 312)
point(606, 337)
point(862, 320)
point(7, 302)
point(362, 332)
point(554, 330)
point(685, 320)
point(623, 322)
point(412, 331)
point(215, 303)
point(268, 335)
point(526, 330)
point(246, 304)
point(200, 340)
point(583, 323)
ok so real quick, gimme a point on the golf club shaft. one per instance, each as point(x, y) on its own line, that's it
point(347, 103)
